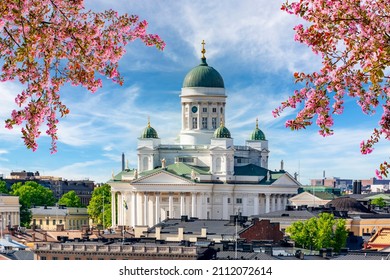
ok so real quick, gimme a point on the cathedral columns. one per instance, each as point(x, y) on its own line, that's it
point(193, 204)
point(256, 204)
point(273, 204)
point(279, 203)
point(158, 209)
point(245, 205)
point(170, 205)
point(182, 204)
point(120, 209)
point(267, 203)
point(133, 211)
point(146, 209)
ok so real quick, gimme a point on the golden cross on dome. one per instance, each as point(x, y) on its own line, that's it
point(203, 49)
point(148, 121)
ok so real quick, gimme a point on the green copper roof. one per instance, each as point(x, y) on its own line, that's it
point(257, 134)
point(149, 132)
point(222, 132)
point(203, 76)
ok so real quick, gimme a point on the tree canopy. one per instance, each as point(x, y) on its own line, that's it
point(70, 199)
point(3, 187)
point(31, 194)
point(352, 37)
point(99, 208)
point(45, 44)
point(319, 232)
point(379, 201)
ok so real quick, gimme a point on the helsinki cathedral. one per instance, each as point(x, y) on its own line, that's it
point(205, 175)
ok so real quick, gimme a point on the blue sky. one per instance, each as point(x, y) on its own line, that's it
point(249, 42)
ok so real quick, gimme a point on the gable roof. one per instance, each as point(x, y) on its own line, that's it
point(162, 176)
point(250, 170)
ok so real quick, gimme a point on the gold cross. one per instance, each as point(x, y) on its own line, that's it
point(203, 49)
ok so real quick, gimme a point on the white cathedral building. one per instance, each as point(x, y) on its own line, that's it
point(204, 175)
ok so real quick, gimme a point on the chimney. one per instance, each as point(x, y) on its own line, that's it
point(123, 161)
point(281, 165)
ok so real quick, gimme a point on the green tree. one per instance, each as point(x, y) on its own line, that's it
point(319, 232)
point(100, 205)
point(70, 199)
point(379, 201)
point(31, 194)
point(3, 187)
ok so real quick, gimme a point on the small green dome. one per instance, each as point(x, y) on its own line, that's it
point(222, 132)
point(257, 134)
point(149, 132)
point(203, 76)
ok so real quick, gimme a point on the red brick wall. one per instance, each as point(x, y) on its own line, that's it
point(263, 230)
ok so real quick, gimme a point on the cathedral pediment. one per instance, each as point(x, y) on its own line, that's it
point(286, 180)
point(163, 177)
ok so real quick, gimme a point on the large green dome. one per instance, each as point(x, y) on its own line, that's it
point(203, 76)
point(257, 134)
point(149, 132)
point(222, 132)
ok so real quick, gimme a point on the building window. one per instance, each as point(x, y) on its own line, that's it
point(66, 258)
point(204, 123)
point(228, 199)
point(54, 222)
point(43, 258)
point(54, 258)
point(47, 222)
point(214, 110)
point(221, 110)
point(214, 123)
point(194, 123)
point(204, 109)
point(34, 222)
point(60, 222)
point(208, 200)
point(77, 259)
point(239, 200)
point(40, 222)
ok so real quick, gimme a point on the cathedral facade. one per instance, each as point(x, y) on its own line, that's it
point(204, 175)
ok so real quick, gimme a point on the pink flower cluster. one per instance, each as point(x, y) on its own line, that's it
point(47, 43)
point(352, 37)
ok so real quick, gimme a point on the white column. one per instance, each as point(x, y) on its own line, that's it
point(170, 205)
point(256, 204)
point(146, 209)
point(183, 112)
point(151, 211)
point(140, 209)
point(133, 209)
point(279, 204)
point(202, 209)
point(120, 209)
point(182, 201)
point(193, 204)
point(225, 214)
point(245, 205)
point(158, 209)
point(204, 206)
point(113, 210)
point(267, 201)
point(273, 204)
